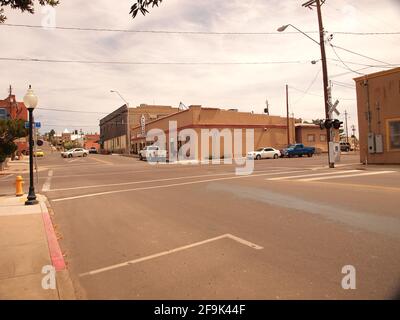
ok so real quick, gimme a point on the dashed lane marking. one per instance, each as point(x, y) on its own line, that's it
point(103, 161)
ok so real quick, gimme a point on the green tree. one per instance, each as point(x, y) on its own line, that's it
point(142, 6)
point(10, 130)
point(23, 5)
point(72, 145)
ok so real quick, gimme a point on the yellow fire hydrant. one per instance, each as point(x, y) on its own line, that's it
point(19, 192)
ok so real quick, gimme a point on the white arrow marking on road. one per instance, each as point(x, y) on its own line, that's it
point(164, 253)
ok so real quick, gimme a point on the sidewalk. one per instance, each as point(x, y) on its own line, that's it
point(18, 167)
point(27, 244)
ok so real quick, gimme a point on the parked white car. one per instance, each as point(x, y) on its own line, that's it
point(264, 153)
point(153, 153)
point(73, 153)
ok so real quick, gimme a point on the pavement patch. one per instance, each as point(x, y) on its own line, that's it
point(387, 226)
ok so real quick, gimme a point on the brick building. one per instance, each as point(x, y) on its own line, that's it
point(10, 108)
point(115, 129)
point(92, 140)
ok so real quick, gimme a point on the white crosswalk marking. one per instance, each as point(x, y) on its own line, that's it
point(313, 175)
point(346, 176)
point(328, 175)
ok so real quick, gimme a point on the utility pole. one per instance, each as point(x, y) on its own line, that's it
point(353, 128)
point(287, 115)
point(347, 128)
point(317, 4)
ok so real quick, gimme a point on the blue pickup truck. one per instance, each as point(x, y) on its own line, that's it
point(298, 150)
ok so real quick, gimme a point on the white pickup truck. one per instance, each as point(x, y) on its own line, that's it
point(153, 153)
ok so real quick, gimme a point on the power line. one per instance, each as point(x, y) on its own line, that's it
point(308, 88)
point(71, 111)
point(340, 59)
point(69, 125)
point(180, 63)
point(344, 85)
point(318, 95)
point(145, 31)
point(346, 73)
point(151, 63)
point(361, 55)
point(186, 32)
point(363, 64)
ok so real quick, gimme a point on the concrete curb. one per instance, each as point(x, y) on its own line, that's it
point(64, 283)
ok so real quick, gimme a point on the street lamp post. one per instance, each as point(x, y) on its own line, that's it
point(31, 101)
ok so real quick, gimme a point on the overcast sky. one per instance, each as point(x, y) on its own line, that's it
point(86, 87)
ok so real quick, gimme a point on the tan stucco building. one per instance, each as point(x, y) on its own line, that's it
point(269, 131)
point(378, 102)
point(311, 135)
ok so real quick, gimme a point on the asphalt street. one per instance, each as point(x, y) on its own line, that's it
point(131, 230)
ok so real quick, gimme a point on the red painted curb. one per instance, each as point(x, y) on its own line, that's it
point(56, 255)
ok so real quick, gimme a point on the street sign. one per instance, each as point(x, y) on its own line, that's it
point(143, 125)
point(36, 125)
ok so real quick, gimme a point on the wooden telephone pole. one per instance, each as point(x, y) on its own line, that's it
point(287, 111)
point(317, 4)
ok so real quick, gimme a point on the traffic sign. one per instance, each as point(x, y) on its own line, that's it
point(36, 125)
point(333, 108)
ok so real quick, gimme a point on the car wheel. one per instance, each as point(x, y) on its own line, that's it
point(310, 155)
point(140, 158)
point(84, 155)
point(70, 156)
point(276, 156)
point(258, 157)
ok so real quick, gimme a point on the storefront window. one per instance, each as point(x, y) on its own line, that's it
point(394, 134)
point(322, 137)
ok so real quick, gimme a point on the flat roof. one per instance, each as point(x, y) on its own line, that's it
point(377, 74)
